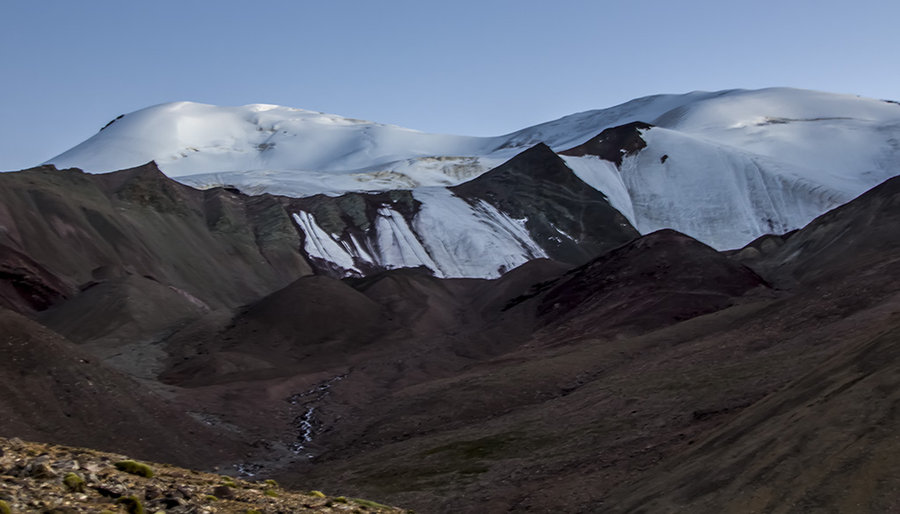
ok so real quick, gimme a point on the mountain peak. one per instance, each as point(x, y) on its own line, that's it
point(573, 221)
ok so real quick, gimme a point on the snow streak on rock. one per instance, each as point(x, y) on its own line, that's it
point(398, 244)
point(320, 244)
point(603, 176)
point(449, 236)
point(471, 240)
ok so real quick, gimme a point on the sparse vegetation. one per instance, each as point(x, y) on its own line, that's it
point(369, 503)
point(132, 504)
point(86, 480)
point(74, 482)
point(135, 468)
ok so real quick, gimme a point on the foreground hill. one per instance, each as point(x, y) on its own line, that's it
point(49, 478)
point(723, 167)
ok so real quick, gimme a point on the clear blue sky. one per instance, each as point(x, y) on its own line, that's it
point(476, 68)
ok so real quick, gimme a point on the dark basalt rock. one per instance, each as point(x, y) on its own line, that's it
point(119, 117)
point(613, 143)
point(569, 219)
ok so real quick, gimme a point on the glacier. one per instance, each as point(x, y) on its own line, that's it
point(450, 236)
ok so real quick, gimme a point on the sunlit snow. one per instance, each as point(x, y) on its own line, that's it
point(724, 167)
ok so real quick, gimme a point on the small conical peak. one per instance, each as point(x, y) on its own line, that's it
point(537, 163)
point(538, 151)
point(148, 169)
point(146, 178)
point(47, 168)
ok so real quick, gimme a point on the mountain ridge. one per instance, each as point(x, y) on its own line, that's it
point(417, 345)
point(777, 157)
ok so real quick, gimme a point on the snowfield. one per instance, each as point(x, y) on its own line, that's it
point(724, 167)
point(450, 237)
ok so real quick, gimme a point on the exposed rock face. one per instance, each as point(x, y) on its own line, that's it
point(682, 378)
point(26, 286)
point(571, 221)
point(613, 143)
point(530, 207)
point(350, 224)
point(116, 263)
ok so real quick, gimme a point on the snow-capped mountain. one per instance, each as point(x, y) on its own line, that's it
point(532, 206)
point(207, 322)
point(723, 167)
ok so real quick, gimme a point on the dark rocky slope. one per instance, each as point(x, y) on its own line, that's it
point(613, 143)
point(859, 237)
point(652, 282)
point(570, 220)
point(659, 375)
point(775, 401)
point(218, 247)
point(52, 390)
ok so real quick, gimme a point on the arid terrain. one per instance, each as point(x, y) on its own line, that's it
point(49, 478)
point(143, 317)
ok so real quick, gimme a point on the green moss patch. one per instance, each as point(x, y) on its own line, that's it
point(132, 504)
point(135, 468)
point(74, 482)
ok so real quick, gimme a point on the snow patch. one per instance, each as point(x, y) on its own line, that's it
point(719, 195)
point(398, 245)
point(603, 176)
point(471, 240)
point(321, 245)
point(449, 236)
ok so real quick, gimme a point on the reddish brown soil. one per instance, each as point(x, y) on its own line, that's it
point(659, 376)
